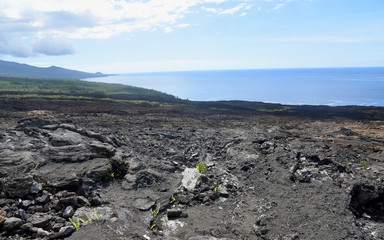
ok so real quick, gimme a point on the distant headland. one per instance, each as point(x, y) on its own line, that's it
point(13, 69)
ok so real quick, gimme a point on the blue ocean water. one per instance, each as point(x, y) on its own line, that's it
point(317, 86)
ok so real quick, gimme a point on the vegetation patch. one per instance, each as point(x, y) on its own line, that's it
point(55, 86)
point(79, 221)
point(202, 167)
point(271, 110)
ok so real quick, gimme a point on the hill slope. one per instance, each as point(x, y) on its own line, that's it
point(13, 69)
point(58, 87)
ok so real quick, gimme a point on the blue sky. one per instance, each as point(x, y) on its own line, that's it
point(122, 36)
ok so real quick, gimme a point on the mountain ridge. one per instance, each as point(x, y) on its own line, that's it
point(22, 70)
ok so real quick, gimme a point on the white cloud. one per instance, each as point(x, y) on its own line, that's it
point(17, 48)
point(183, 25)
point(212, 10)
point(53, 46)
point(168, 29)
point(233, 10)
point(25, 24)
point(279, 6)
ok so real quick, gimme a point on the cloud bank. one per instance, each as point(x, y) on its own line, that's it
point(35, 27)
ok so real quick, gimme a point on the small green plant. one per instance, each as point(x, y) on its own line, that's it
point(202, 167)
point(85, 223)
point(156, 211)
point(107, 177)
point(96, 215)
point(364, 165)
point(153, 227)
point(76, 224)
point(215, 189)
point(82, 221)
point(174, 199)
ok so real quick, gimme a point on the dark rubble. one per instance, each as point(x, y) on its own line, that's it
point(269, 176)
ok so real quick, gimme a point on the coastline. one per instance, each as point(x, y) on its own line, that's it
point(312, 86)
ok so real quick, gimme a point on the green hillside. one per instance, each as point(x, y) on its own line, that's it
point(10, 85)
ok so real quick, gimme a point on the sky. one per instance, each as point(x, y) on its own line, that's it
point(125, 36)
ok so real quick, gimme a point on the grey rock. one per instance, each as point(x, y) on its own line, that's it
point(129, 182)
point(42, 233)
point(57, 226)
point(20, 213)
point(43, 199)
point(208, 238)
point(174, 213)
point(63, 233)
point(95, 200)
point(144, 204)
point(63, 137)
point(26, 227)
point(26, 203)
point(59, 220)
point(18, 186)
point(82, 201)
point(102, 149)
point(294, 236)
point(98, 168)
point(190, 178)
point(146, 178)
point(86, 212)
point(69, 201)
point(135, 165)
point(35, 187)
point(40, 219)
point(68, 126)
point(65, 194)
point(12, 223)
point(223, 192)
point(68, 212)
point(4, 202)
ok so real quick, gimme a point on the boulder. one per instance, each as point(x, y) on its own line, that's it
point(85, 213)
point(190, 178)
point(129, 182)
point(40, 219)
point(11, 223)
point(68, 212)
point(63, 233)
point(35, 187)
point(143, 204)
point(63, 137)
point(18, 186)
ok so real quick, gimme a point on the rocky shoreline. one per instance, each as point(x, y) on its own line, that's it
point(128, 171)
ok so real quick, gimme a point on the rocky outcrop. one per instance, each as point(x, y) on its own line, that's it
point(137, 178)
point(48, 171)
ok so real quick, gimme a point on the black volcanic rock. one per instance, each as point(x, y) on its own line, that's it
point(269, 176)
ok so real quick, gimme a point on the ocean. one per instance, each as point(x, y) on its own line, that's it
point(315, 86)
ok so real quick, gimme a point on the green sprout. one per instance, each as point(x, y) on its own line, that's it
point(96, 215)
point(153, 227)
point(364, 165)
point(215, 189)
point(76, 224)
point(107, 177)
point(85, 223)
point(202, 167)
point(156, 211)
point(174, 199)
